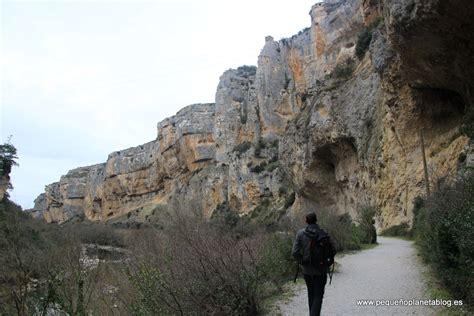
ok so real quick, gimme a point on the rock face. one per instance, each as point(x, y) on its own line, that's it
point(323, 122)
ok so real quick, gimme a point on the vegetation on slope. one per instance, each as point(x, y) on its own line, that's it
point(228, 265)
point(365, 37)
point(444, 231)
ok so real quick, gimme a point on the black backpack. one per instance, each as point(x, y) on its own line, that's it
point(321, 251)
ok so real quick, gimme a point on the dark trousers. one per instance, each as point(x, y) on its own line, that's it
point(315, 285)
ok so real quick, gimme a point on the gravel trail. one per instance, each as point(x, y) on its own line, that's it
point(390, 271)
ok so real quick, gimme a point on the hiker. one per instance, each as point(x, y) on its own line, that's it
point(373, 233)
point(307, 251)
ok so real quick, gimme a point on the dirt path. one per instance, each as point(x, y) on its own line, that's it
point(390, 271)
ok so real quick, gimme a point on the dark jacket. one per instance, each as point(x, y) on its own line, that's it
point(301, 248)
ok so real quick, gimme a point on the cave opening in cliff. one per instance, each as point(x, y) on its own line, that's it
point(332, 166)
point(440, 104)
point(440, 110)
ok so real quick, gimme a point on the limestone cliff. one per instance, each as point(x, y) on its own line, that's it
point(320, 118)
point(359, 135)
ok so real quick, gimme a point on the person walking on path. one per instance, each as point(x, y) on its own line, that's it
point(315, 275)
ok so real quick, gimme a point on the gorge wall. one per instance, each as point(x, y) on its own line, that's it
point(317, 125)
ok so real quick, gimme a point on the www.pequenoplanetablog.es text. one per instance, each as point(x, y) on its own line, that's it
point(410, 302)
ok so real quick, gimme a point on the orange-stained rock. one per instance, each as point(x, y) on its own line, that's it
point(311, 126)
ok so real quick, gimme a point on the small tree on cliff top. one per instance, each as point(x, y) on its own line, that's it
point(7, 157)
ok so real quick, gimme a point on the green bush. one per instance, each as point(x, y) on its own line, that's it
point(344, 233)
point(344, 70)
point(277, 262)
point(259, 146)
point(366, 224)
point(290, 199)
point(259, 168)
point(363, 42)
point(400, 230)
point(418, 205)
point(365, 37)
point(272, 166)
point(444, 231)
point(275, 143)
point(264, 166)
point(242, 148)
point(223, 216)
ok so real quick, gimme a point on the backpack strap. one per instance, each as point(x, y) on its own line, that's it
point(322, 234)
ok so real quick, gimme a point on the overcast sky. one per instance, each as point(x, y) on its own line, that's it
point(81, 79)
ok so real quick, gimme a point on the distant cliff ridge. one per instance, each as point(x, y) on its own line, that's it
point(330, 119)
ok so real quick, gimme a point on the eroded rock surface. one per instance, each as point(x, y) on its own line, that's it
point(319, 124)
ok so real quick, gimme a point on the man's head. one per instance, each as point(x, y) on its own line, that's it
point(311, 218)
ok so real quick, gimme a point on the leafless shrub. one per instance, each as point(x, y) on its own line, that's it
point(194, 267)
point(44, 269)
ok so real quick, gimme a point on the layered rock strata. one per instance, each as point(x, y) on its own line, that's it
point(319, 124)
